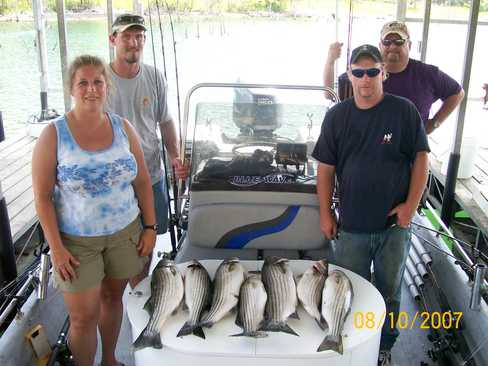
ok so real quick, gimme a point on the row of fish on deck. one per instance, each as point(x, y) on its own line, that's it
point(264, 300)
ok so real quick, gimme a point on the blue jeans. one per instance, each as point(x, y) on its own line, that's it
point(388, 250)
point(161, 205)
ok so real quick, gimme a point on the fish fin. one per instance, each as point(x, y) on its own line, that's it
point(148, 306)
point(175, 311)
point(280, 327)
point(331, 343)
point(147, 339)
point(239, 320)
point(294, 315)
point(322, 323)
point(206, 324)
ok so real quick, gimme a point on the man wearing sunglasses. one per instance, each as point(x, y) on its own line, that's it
point(421, 83)
point(139, 93)
point(376, 146)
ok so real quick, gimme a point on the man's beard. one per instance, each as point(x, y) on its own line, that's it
point(132, 57)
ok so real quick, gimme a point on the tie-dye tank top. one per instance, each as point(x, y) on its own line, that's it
point(93, 194)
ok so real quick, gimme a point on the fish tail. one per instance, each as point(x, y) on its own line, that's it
point(148, 339)
point(254, 334)
point(279, 327)
point(189, 328)
point(198, 331)
point(238, 335)
point(331, 342)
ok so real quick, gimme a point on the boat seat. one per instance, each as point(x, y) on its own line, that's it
point(236, 223)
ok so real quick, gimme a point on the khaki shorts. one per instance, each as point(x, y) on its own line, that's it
point(113, 256)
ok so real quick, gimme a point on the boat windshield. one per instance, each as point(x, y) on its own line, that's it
point(260, 137)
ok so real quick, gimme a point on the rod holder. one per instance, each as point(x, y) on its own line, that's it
point(479, 275)
point(43, 276)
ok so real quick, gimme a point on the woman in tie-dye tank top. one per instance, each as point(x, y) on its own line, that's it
point(91, 188)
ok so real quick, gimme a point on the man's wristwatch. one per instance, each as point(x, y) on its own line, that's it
point(436, 124)
point(151, 227)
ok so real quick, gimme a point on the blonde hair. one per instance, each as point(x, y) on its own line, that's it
point(85, 60)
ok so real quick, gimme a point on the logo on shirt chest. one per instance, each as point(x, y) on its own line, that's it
point(387, 139)
point(145, 101)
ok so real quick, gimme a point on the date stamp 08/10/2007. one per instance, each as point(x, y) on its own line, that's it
point(404, 320)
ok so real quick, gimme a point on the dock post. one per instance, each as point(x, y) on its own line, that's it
point(8, 269)
point(2, 132)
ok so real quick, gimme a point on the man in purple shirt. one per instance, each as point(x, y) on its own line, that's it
point(421, 83)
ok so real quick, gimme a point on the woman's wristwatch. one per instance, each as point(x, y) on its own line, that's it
point(151, 227)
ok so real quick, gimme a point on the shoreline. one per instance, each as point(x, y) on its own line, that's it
point(99, 13)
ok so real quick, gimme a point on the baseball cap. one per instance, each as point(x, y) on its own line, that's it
point(395, 27)
point(125, 21)
point(366, 50)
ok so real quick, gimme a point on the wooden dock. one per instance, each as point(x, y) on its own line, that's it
point(15, 175)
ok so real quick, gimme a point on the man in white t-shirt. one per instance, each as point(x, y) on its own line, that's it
point(139, 93)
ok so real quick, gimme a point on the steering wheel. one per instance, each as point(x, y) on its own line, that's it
point(248, 148)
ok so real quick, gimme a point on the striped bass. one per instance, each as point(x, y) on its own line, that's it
point(336, 304)
point(227, 282)
point(198, 294)
point(282, 294)
point(166, 296)
point(252, 301)
point(309, 290)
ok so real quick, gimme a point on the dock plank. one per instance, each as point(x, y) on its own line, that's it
point(12, 141)
point(15, 176)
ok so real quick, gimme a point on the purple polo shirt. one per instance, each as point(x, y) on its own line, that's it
point(421, 83)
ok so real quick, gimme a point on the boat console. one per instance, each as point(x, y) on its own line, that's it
point(252, 190)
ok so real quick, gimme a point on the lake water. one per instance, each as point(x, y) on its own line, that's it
point(255, 50)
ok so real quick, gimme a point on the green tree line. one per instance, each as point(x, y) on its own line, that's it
point(17, 6)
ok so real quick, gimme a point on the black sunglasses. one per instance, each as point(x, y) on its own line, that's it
point(359, 73)
point(397, 42)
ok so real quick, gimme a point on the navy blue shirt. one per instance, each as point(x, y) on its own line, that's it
point(373, 151)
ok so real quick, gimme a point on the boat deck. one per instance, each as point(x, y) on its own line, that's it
point(15, 176)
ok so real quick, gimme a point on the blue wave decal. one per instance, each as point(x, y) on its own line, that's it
point(238, 238)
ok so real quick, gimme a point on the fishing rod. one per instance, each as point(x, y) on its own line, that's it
point(349, 34)
point(177, 187)
point(162, 40)
point(446, 343)
point(478, 252)
point(158, 94)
